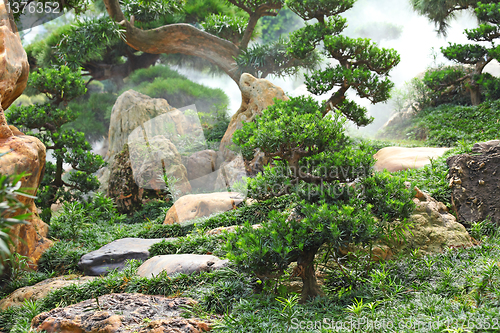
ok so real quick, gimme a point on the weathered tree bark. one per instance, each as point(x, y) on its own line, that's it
point(178, 38)
point(305, 269)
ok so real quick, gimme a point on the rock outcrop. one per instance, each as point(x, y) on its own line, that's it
point(193, 206)
point(122, 187)
point(27, 154)
point(202, 170)
point(115, 255)
point(152, 159)
point(475, 183)
point(180, 263)
point(41, 289)
point(257, 95)
point(14, 67)
point(400, 158)
point(434, 228)
point(117, 313)
point(136, 119)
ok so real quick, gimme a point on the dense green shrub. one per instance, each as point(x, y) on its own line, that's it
point(197, 244)
point(152, 210)
point(386, 194)
point(448, 125)
point(165, 231)
point(162, 82)
point(9, 211)
point(63, 257)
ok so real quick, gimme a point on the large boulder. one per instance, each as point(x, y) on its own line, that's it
point(202, 168)
point(115, 255)
point(434, 228)
point(230, 174)
point(193, 206)
point(41, 289)
point(136, 118)
point(27, 154)
point(122, 187)
point(14, 67)
point(400, 158)
point(152, 159)
point(257, 95)
point(116, 313)
point(474, 180)
point(180, 263)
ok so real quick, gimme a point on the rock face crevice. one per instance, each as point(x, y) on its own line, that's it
point(475, 183)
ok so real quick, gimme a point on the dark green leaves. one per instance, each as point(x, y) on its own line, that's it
point(319, 9)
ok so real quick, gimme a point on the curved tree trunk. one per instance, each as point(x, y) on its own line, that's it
point(178, 38)
point(305, 269)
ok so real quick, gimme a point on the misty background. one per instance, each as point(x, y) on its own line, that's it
point(390, 23)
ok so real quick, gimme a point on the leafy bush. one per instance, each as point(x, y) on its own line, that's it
point(165, 231)
point(152, 210)
point(193, 243)
point(388, 196)
point(63, 257)
point(448, 125)
point(46, 122)
point(162, 82)
point(9, 211)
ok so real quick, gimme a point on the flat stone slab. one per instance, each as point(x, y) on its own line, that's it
point(115, 255)
point(41, 289)
point(122, 313)
point(180, 263)
point(401, 158)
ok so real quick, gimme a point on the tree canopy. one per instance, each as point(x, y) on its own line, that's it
point(477, 54)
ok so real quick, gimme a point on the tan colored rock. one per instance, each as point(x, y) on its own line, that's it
point(136, 116)
point(27, 155)
point(151, 159)
point(202, 170)
point(14, 68)
point(40, 290)
point(257, 95)
point(434, 228)
point(193, 206)
point(400, 158)
point(131, 110)
point(117, 313)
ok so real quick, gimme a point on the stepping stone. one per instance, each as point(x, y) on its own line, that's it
point(180, 263)
point(41, 289)
point(115, 255)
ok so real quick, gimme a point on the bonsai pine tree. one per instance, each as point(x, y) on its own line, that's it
point(339, 203)
point(314, 159)
point(477, 55)
point(67, 146)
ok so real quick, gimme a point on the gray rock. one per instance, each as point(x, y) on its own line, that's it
point(115, 254)
point(482, 147)
point(180, 263)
